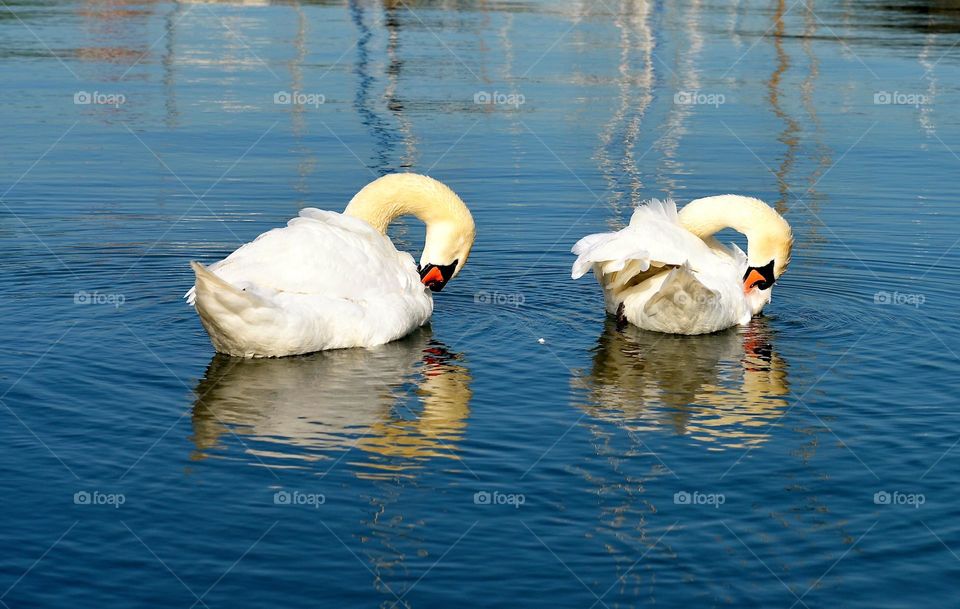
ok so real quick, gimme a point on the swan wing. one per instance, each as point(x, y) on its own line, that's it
point(660, 276)
point(320, 253)
point(653, 240)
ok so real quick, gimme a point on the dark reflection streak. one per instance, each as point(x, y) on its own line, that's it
point(920, 16)
point(387, 556)
point(364, 101)
point(789, 135)
point(394, 70)
point(168, 62)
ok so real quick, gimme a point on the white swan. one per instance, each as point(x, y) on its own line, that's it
point(666, 272)
point(333, 281)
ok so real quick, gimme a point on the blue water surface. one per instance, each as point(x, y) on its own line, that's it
point(520, 450)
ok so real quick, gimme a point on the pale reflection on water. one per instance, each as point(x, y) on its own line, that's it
point(723, 389)
point(292, 411)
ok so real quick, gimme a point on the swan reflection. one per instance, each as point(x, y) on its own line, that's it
point(399, 404)
point(723, 389)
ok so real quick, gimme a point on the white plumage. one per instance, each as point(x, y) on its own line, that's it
point(325, 281)
point(665, 272)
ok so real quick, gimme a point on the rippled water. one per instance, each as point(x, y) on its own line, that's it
point(806, 460)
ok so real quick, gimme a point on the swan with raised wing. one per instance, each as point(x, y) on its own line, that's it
point(667, 272)
point(331, 281)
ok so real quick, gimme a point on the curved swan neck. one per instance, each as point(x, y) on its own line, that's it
point(768, 235)
point(384, 200)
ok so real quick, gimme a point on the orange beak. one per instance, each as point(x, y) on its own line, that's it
point(433, 276)
point(753, 278)
point(436, 276)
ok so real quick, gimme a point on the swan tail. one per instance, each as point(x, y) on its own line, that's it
point(211, 290)
point(198, 271)
point(682, 302)
point(228, 312)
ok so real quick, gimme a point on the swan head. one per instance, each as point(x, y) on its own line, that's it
point(768, 256)
point(769, 238)
point(758, 287)
point(445, 251)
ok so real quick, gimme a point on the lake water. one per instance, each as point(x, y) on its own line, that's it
point(808, 460)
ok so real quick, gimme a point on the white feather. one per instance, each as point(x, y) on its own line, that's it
point(662, 277)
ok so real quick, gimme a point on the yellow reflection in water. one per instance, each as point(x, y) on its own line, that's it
point(724, 389)
point(400, 404)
